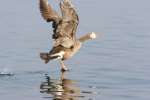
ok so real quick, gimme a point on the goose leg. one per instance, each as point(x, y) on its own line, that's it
point(63, 67)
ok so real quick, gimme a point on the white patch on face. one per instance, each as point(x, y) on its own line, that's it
point(92, 35)
point(60, 54)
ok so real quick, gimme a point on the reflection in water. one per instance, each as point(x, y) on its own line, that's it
point(62, 89)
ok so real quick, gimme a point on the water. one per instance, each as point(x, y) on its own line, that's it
point(115, 66)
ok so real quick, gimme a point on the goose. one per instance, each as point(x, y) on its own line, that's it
point(66, 44)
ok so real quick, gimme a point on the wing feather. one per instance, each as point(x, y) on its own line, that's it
point(70, 20)
point(66, 29)
point(47, 12)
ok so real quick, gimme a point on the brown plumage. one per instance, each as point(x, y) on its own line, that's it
point(64, 29)
point(47, 12)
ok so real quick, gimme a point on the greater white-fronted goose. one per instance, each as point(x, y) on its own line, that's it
point(64, 28)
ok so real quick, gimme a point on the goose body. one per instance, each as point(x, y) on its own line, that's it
point(64, 29)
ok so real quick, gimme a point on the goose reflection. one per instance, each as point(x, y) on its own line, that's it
point(61, 89)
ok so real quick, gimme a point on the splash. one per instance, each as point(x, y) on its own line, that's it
point(6, 72)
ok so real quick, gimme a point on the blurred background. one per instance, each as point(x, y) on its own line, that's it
point(114, 66)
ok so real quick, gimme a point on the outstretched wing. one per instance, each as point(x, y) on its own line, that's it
point(64, 34)
point(70, 18)
point(47, 12)
point(68, 11)
point(68, 25)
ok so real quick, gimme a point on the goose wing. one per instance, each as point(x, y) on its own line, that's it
point(64, 34)
point(68, 11)
point(68, 25)
point(70, 18)
point(47, 12)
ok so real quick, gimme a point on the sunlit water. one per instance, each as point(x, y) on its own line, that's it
point(115, 66)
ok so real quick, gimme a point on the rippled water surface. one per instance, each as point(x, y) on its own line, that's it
point(115, 66)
